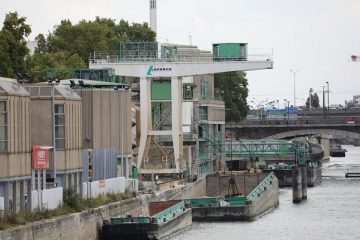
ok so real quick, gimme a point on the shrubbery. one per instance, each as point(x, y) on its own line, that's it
point(72, 203)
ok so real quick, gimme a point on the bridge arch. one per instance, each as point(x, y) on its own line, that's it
point(305, 132)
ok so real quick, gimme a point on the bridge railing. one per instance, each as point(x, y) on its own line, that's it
point(298, 121)
point(275, 148)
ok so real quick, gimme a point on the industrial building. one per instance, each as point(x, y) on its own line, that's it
point(56, 121)
point(15, 145)
point(106, 130)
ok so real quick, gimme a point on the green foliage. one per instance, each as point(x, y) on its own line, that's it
point(101, 35)
point(72, 203)
point(39, 64)
point(72, 200)
point(13, 48)
point(70, 45)
point(235, 90)
point(315, 102)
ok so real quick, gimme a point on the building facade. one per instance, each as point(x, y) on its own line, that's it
point(15, 145)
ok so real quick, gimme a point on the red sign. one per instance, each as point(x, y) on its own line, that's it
point(40, 157)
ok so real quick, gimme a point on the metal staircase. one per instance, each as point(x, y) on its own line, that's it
point(164, 116)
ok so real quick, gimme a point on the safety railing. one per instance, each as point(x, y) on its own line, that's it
point(278, 148)
point(260, 188)
point(169, 213)
point(115, 58)
point(161, 217)
point(297, 121)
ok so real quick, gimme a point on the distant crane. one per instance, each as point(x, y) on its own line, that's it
point(355, 58)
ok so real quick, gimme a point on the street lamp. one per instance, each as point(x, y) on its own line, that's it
point(328, 93)
point(294, 73)
point(52, 84)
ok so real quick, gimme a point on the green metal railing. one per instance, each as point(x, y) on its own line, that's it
point(263, 185)
point(160, 217)
point(169, 213)
point(267, 148)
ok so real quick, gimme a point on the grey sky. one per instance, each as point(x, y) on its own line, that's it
point(316, 37)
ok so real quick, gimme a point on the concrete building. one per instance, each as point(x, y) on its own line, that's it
point(15, 145)
point(56, 120)
point(106, 130)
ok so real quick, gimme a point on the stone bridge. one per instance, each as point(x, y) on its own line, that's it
point(347, 131)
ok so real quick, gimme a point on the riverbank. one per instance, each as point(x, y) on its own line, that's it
point(86, 225)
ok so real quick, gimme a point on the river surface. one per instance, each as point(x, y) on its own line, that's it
point(332, 211)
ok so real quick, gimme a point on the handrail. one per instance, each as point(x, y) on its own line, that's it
point(115, 58)
point(169, 213)
point(263, 185)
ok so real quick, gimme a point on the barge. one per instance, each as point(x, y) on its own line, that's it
point(337, 151)
point(283, 172)
point(245, 207)
point(351, 174)
point(155, 220)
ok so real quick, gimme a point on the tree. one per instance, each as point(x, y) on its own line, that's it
point(70, 45)
point(315, 102)
point(101, 35)
point(40, 63)
point(13, 48)
point(234, 87)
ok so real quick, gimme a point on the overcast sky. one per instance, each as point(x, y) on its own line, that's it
point(316, 37)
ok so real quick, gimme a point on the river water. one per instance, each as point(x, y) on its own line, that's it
point(332, 211)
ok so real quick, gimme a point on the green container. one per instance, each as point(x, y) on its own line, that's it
point(161, 91)
point(230, 51)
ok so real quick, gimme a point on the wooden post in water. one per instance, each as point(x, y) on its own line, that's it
point(304, 181)
point(296, 184)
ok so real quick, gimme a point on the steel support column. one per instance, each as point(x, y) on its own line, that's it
point(176, 120)
point(145, 118)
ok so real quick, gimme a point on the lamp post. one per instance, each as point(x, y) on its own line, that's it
point(328, 102)
point(324, 109)
point(294, 73)
point(52, 84)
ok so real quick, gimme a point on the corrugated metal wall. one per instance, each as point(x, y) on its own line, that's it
point(104, 164)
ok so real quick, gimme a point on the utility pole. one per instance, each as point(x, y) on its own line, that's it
point(294, 73)
point(323, 102)
point(328, 102)
point(310, 98)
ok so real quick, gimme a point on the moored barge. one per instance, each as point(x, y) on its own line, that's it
point(155, 220)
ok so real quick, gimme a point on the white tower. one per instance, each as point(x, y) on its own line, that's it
point(153, 15)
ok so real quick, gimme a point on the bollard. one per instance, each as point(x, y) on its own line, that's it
point(304, 181)
point(296, 182)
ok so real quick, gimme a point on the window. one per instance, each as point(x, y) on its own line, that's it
point(203, 113)
point(59, 126)
point(3, 126)
point(204, 89)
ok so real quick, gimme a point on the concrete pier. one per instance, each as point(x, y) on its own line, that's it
point(304, 181)
point(297, 184)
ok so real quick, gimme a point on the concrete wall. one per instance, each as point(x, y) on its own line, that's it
point(47, 199)
point(80, 226)
point(325, 143)
point(267, 200)
point(218, 185)
point(103, 113)
point(194, 190)
point(69, 158)
point(96, 188)
point(16, 162)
